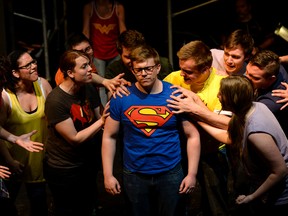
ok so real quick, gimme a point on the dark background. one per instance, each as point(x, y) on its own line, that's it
point(205, 23)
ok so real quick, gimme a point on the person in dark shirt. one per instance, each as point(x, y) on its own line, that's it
point(127, 41)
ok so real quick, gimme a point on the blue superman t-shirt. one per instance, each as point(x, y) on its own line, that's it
point(150, 130)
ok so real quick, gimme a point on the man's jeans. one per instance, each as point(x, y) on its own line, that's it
point(153, 194)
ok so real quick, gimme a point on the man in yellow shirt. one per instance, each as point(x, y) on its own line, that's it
point(197, 74)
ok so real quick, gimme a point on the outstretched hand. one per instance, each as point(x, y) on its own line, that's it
point(111, 84)
point(25, 142)
point(117, 85)
point(282, 93)
point(185, 101)
point(122, 89)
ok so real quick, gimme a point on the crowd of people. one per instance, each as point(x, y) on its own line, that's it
point(218, 123)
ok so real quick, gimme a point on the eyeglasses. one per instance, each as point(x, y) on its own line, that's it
point(149, 70)
point(28, 66)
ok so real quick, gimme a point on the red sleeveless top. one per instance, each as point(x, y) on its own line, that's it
point(104, 33)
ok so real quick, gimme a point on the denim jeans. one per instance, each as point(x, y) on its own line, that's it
point(101, 67)
point(153, 194)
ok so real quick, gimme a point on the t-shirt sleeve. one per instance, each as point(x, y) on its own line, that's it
point(115, 108)
point(168, 78)
point(56, 109)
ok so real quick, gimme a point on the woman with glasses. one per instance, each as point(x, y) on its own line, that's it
point(24, 139)
point(22, 111)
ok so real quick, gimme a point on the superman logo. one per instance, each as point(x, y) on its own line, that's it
point(80, 114)
point(148, 119)
point(104, 29)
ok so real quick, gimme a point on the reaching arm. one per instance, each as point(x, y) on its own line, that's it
point(219, 134)
point(22, 140)
point(112, 84)
point(120, 90)
point(67, 130)
point(111, 130)
point(265, 145)
point(190, 103)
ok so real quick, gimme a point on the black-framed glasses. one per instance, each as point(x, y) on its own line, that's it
point(28, 66)
point(149, 70)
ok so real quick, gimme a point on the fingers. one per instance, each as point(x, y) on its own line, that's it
point(120, 75)
point(284, 84)
point(240, 199)
point(111, 89)
point(33, 132)
point(4, 172)
point(37, 148)
point(186, 189)
point(176, 91)
point(4, 167)
point(176, 86)
point(171, 101)
point(279, 93)
point(190, 190)
point(284, 106)
point(114, 191)
point(281, 101)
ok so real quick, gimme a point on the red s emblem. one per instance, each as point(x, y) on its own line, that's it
point(148, 118)
point(80, 113)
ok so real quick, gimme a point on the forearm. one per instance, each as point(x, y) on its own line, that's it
point(211, 118)
point(89, 132)
point(267, 185)
point(74, 137)
point(4, 134)
point(284, 59)
point(219, 134)
point(193, 155)
point(108, 154)
point(97, 79)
